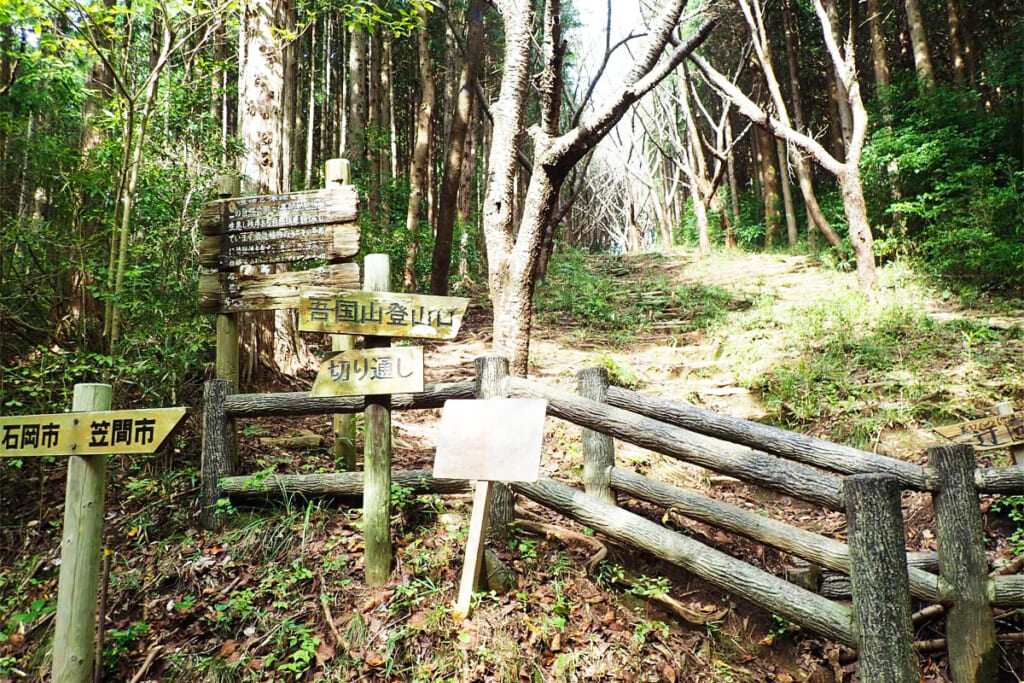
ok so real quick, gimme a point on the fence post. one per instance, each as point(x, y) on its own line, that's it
point(338, 172)
point(218, 458)
point(970, 628)
point(880, 585)
point(78, 583)
point(377, 448)
point(598, 448)
point(226, 365)
point(490, 372)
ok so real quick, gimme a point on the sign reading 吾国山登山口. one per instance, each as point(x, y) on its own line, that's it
point(987, 433)
point(105, 432)
point(366, 372)
point(384, 314)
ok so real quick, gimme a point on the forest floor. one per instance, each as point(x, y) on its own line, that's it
point(279, 594)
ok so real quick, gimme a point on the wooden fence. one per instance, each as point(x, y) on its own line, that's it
point(866, 486)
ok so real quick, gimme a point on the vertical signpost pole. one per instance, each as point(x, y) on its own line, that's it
point(377, 448)
point(227, 323)
point(338, 172)
point(1016, 452)
point(75, 634)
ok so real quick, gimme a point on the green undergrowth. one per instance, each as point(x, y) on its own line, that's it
point(616, 298)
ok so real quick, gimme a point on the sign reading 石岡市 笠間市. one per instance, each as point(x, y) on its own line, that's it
point(104, 432)
point(383, 314)
point(366, 372)
point(998, 431)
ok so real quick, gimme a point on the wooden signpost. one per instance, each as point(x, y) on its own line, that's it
point(385, 314)
point(497, 439)
point(237, 292)
point(121, 432)
point(88, 435)
point(367, 372)
point(997, 431)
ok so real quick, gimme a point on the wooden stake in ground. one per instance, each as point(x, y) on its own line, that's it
point(377, 449)
point(75, 632)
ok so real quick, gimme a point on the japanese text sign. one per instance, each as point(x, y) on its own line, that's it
point(498, 439)
point(998, 431)
point(383, 314)
point(365, 372)
point(109, 432)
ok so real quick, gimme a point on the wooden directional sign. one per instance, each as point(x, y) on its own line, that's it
point(364, 372)
point(237, 292)
point(268, 212)
point(109, 432)
point(998, 431)
point(498, 439)
point(383, 314)
point(280, 228)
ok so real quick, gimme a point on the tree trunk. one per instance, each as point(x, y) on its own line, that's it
point(387, 109)
point(311, 112)
point(373, 144)
point(879, 59)
point(815, 216)
point(956, 43)
point(787, 195)
point(769, 186)
point(842, 97)
point(919, 42)
point(289, 88)
point(734, 188)
point(443, 234)
point(421, 151)
point(355, 138)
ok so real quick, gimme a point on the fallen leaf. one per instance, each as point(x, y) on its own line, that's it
point(324, 652)
point(228, 647)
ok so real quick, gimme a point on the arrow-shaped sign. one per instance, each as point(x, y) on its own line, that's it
point(110, 432)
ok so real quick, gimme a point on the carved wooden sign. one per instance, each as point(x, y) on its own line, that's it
point(105, 432)
point(384, 314)
point(280, 228)
point(498, 439)
point(237, 292)
point(365, 372)
point(988, 433)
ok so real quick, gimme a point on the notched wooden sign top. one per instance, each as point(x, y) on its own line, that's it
point(106, 432)
point(988, 433)
point(384, 314)
point(362, 372)
point(497, 439)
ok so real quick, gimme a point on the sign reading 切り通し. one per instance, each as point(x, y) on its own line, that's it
point(366, 372)
point(104, 432)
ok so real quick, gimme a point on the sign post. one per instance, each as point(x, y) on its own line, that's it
point(496, 439)
point(88, 434)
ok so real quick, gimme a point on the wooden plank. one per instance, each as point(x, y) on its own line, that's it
point(385, 314)
point(366, 372)
point(294, 404)
point(280, 245)
point(268, 212)
point(988, 433)
point(497, 439)
point(109, 432)
point(238, 292)
point(474, 549)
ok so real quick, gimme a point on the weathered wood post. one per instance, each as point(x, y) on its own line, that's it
point(878, 574)
point(226, 365)
point(490, 373)
point(970, 628)
point(377, 448)
point(598, 448)
point(78, 583)
point(1016, 452)
point(339, 172)
point(219, 457)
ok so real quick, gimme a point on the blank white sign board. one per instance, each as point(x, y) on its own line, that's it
point(497, 439)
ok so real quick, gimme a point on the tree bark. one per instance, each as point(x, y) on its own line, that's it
point(919, 42)
point(421, 152)
point(879, 58)
point(787, 195)
point(444, 230)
